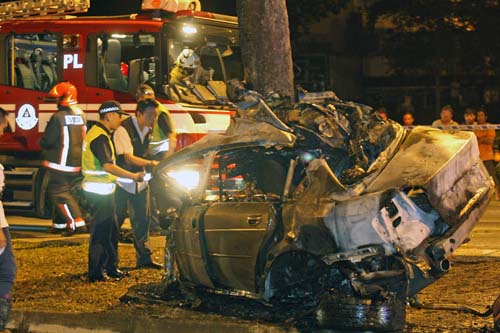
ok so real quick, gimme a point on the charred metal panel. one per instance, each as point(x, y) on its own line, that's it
point(234, 232)
point(398, 224)
point(188, 246)
point(445, 163)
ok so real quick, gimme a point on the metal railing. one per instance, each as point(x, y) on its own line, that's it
point(27, 8)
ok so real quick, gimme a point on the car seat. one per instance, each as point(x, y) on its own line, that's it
point(111, 65)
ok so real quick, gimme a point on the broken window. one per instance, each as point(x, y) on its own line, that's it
point(246, 175)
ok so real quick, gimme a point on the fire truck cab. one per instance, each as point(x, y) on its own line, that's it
point(106, 58)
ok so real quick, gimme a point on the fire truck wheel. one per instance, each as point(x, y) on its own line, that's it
point(43, 206)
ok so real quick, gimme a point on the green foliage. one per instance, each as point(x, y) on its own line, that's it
point(443, 36)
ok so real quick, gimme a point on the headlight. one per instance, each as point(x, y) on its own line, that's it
point(189, 179)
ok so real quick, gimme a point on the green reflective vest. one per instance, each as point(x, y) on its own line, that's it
point(159, 141)
point(95, 179)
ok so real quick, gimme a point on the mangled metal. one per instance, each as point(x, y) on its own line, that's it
point(323, 204)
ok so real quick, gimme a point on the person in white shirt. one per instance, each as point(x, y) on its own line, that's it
point(446, 117)
point(131, 142)
point(7, 263)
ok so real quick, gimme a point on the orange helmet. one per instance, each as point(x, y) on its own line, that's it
point(66, 92)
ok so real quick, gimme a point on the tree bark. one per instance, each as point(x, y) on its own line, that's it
point(265, 45)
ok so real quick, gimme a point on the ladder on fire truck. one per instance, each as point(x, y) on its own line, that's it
point(27, 8)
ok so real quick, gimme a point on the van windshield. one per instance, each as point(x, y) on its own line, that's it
point(202, 58)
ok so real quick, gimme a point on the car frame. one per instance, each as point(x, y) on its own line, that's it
point(332, 209)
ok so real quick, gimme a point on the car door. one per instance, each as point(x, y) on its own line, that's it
point(239, 225)
point(234, 233)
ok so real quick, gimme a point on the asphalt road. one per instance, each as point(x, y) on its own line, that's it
point(485, 235)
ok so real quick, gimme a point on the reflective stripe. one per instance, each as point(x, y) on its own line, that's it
point(65, 148)
point(95, 173)
point(60, 167)
point(99, 188)
point(79, 223)
point(71, 221)
point(125, 180)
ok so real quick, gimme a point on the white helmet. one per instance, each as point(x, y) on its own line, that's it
point(188, 59)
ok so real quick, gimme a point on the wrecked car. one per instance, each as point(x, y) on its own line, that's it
point(322, 205)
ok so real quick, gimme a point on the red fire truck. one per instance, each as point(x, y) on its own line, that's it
point(105, 58)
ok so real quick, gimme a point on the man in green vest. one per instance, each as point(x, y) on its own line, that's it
point(100, 174)
point(161, 145)
point(163, 137)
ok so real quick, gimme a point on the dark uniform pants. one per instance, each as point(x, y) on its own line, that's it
point(61, 190)
point(103, 246)
point(137, 206)
point(7, 267)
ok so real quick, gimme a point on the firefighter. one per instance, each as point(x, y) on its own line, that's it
point(100, 174)
point(131, 141)
point(7, 264)
point(184, 71)
point(62, 150)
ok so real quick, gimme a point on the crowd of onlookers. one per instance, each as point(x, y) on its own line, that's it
point(486, 136)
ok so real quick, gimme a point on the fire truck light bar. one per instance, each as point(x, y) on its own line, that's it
point(171, 5)
point(27, 8)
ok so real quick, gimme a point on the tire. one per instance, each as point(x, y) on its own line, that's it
point(360, 315)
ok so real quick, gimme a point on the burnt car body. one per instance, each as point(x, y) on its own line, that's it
point(327, 206)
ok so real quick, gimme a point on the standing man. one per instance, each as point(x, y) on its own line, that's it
point(100, 175)
point(408, 119)
point(485, 140)
point(7, 264)
point(131, 141)
point(446, 117)
point(163, 137)
point(470, 116)
point(62, 150)
point(162, 143)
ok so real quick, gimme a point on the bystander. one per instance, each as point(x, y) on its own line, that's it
point(446, 117)
point(470, 116)
point(485, 139)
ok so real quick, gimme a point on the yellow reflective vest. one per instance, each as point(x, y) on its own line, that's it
point(95, 179)
point(159, 141)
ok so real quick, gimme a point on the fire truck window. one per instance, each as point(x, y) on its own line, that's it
point(217, 49)
point(34, 61)
point(125, 61)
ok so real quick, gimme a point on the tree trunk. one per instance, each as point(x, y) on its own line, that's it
point(265, 44)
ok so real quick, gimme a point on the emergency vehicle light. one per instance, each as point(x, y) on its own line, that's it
point(171, 5)
point(26, 8)
point(189, 30)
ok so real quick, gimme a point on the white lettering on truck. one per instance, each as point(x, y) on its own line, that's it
point(71, 59)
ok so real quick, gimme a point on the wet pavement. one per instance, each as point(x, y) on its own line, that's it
point(483, 246)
